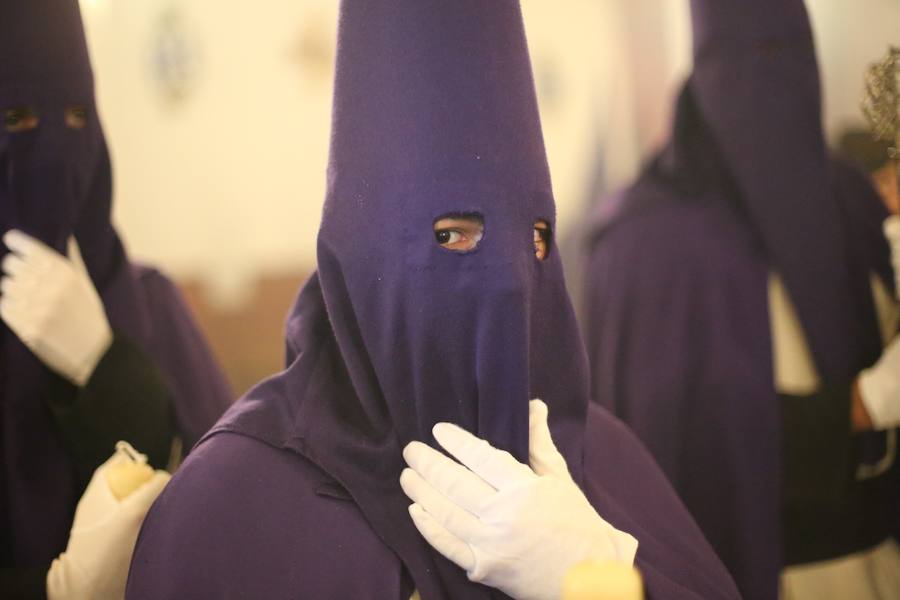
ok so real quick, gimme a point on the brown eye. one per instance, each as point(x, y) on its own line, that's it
point(459, 233)
point(542, 239)
point(16, 120)
point(76, 117)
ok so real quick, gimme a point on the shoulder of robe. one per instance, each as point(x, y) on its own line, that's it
point(144, 272)
point(629, 489)
point(617, 460)
point(166, 309)
point(153, 281)
point(201, 392)
point(242, 519)
point(674, 227)
point(156, 284)
point(673, 251)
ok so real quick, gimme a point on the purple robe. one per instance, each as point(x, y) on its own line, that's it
point(56, 182)
point(248, 516)
point(435, 115)
point(677, 314)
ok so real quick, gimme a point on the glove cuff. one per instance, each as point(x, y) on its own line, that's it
point(95, 351)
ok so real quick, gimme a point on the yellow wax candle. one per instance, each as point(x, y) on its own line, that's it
point(127, 472)
point(607, 580)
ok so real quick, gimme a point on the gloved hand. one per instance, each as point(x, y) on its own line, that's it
point(879, 387)
point(50, 302)
point(892, 233)
point(95, 563)
point(514, 528)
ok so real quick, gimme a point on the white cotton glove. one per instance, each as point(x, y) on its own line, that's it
point(879, 387)
point(50, 302)
point(510, 526)
point(892, 233)
point(95, 563)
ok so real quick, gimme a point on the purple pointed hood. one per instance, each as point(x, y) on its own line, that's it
point(56, 182)
point(756, 86)
point(435, 114)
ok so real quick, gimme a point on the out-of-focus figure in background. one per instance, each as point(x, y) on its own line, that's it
point(93, 348)
point(736, 292)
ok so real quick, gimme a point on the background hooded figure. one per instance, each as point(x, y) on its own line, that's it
point(153, 379)
point(732, 304)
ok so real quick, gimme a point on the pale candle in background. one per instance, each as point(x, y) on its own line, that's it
point(603, 580)
point(128, 471)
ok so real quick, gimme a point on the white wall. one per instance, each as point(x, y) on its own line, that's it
point(232, 178)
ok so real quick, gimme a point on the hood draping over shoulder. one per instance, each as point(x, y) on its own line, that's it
point(435, 114)
point(756, 87)
point(748, 129)
point(56, 182)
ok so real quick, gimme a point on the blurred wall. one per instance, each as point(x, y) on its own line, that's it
point(218, 120)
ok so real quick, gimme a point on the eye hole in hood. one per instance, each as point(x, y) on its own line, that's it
point(76, 117)
point(543, 238)
point(459, 232)
point(19, 119)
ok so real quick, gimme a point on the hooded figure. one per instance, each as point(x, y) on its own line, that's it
point(295, 492)
point(156, 379)
point(743, 226)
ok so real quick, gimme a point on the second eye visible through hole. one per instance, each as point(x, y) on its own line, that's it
point(76, 117)
point(542, 239)
point(459, 233)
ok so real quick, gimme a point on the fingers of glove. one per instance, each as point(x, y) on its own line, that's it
point(456, 520)
point(29, 248)
point(13, 265)
point(545, 459)
point(33, 311)
point(451, 479)
point(497, 467)
point(24, 286)
point(453, 548)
